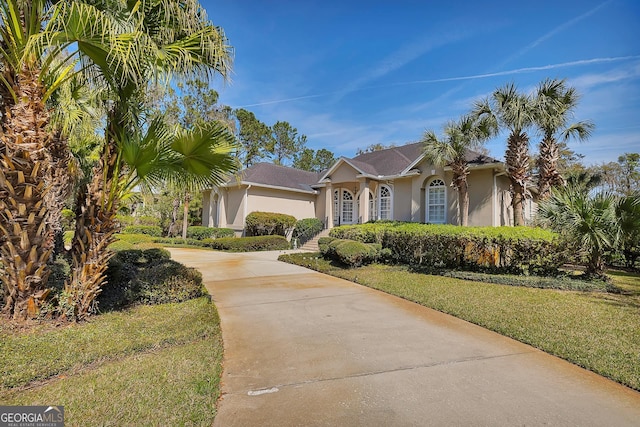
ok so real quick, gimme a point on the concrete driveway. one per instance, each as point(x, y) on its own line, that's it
point(306, 349)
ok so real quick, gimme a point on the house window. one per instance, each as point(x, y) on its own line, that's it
point(347, 207)
point(436, 197)
point(342, 207)
point(385, 202)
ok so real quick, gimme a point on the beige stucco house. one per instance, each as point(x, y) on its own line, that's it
point(397, 184)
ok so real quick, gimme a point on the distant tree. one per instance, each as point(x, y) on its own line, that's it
point(286, 143)
point(621, 177)
point(554, 104)
point(255, 137)
point(324, 159)
point(313, 161)
point(373, 147)
point(467, 133)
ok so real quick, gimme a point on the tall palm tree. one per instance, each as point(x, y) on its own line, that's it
point(460, 137)
point(40, 45)
point(554, 106)
point(176, 39)
point(512, 111)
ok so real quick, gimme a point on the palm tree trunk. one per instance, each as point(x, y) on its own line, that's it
point(96, 224)
point(460, 172)
point(548, 174)
point(517, 162)
point(27, 239)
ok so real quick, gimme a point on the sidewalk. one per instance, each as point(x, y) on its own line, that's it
point(306, 349)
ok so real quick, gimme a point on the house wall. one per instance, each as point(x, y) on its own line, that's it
point(480, 197)
point(402, 194)
point(207, 214)
point(234, 207)
point(299, 205)
point(344, 173)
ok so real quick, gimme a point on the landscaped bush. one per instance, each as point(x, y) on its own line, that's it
point(498, 249)
point(151, 230)
point(306, 229)
point(349, 252)
point(135, 238)
point(323, 244)
point(200, 233)
point(268, 223)
point(148, 277)
point(249, 244)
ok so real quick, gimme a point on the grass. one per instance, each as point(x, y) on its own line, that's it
point(596, 330)
point(150, 365)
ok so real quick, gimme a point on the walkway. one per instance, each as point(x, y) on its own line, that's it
point(306, 349)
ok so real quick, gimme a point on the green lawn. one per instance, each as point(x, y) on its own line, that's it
point(597, 330)
point(151, 365)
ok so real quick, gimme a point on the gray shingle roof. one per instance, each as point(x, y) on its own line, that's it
point(278, 176)
point(391, 161)
point(387, 162)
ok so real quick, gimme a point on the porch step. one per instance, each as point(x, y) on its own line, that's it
point(312, 245)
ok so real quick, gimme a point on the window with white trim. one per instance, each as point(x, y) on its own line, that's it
point(372, 207)
point(436, 202)
point(385, 202)
point(347, 207)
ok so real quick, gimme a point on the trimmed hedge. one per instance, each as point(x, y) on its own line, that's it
point(268, 223)
point(518, 250)
point(148, 277)
point(200, 233)
point(306, 229)
point(249, 244)
point(349, 252)
point(151, 230)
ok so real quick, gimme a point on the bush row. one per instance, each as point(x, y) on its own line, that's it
point(268, 223)
point(515, 250)
point(249, 244)
point(151, 230)
point(200, 232)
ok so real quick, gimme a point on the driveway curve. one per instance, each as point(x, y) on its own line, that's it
point(306, 349)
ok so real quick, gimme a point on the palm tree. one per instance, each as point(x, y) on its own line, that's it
point(588, 221)
point(554, 106)
point(177, 40)
point(192, 159)
point(460, 137)
point(40, 45)
point(512, 111)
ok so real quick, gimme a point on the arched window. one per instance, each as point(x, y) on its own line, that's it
point(385, 202)
point(436, 202)
point(347, 207)
point(342, 207)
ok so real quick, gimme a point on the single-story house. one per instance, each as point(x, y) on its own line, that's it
point(397, 183)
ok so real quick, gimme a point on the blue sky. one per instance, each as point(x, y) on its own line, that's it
point(352, 73)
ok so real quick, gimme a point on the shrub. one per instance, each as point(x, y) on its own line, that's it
point(148, 277)
point(356, 254)
point(349, 252)
point(268, 223)
point(323, 244)
point(135, 238)
point(249, 244)
point(151, 230)
point(306, 228)
point(497, 249)
point(201, 233)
